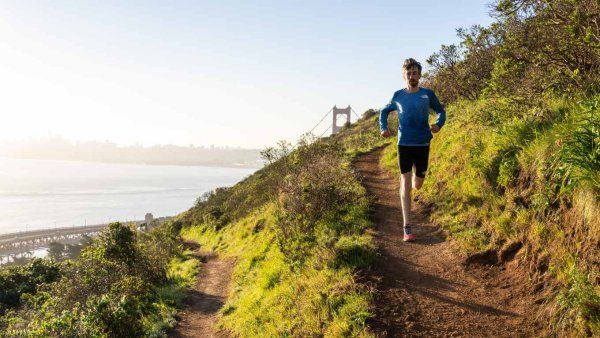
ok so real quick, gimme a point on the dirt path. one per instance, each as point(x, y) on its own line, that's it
point(422, 289)
point(199, 317)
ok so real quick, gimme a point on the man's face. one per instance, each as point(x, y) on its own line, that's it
point(412, 76)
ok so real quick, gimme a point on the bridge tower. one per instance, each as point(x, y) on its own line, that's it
point(339, 112)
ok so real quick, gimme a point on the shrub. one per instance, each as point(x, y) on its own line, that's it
point(110, 290)
point(17, 281)
point(316, 188)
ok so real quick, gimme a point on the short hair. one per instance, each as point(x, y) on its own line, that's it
point(410, 63)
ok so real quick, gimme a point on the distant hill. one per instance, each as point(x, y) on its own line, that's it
point(58, 148)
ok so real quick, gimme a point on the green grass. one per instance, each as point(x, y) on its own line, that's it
point(269, 298)
point(496, 179)
point(181, 274)
point(273, 294)
point(578, 301)
point(493, 179)
point(182, 269)
point(389, 159)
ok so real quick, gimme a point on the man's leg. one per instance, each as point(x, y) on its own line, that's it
point(405, 187)
point(406, 162)
point(421, 164)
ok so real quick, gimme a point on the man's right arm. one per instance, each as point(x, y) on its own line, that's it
point(384, 112)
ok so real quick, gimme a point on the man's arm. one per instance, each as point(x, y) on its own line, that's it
point(435, 104)
point(383, 116)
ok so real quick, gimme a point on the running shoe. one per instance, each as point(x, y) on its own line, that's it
point(408, 234)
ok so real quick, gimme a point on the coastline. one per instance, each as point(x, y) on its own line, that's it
point(256, 166)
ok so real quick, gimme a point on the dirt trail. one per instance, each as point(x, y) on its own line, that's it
point(199, 316)
point(422, 289)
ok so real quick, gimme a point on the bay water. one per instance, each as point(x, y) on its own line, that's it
point(44, 194)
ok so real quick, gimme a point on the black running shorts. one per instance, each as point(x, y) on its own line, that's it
point(409, 156)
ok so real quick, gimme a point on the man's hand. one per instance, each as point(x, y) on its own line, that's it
point(386, 133)
point(435, 128)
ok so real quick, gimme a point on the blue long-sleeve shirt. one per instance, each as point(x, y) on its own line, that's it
point(413, 116)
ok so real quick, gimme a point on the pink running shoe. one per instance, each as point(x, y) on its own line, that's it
point(408, 235)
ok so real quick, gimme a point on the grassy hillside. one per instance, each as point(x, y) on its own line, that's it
point(528, 182)
point(531, 181)
point(518, 165)
point(299, 230)
point(516, 169)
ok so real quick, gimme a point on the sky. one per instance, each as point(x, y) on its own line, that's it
point(227, 73)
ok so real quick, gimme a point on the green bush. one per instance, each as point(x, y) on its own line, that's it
point(111, 290)
point(17, 281)
point(316, 189)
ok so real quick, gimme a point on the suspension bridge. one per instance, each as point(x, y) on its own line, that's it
point(337, 114)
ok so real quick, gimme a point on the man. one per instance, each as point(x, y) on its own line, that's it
point(414, 133)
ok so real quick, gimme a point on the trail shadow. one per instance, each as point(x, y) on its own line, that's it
point(427, 238)
point(204, 303)
point(480, 308)
point(199, 303)
point(405, 274)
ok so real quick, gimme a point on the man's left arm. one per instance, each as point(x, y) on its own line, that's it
point(435, 104)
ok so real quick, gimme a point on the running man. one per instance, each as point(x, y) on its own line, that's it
point(414, 133)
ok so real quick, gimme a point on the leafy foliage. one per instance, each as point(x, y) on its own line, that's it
point(315, 190)
point(18, 281)
point(533, 46)
point(519, 158)
point(109, 291)
point(579, 300)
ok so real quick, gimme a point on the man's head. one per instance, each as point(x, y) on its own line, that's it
point(411, 70)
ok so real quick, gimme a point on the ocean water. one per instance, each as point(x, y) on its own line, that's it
point(42, 194)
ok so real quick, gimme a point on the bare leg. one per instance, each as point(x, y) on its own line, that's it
point(405, 187)
point(417, 182)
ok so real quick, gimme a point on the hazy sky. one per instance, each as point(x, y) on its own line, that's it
point(220, 72)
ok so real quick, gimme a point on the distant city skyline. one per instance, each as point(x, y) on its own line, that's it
point(54, 138)
point(199, 72)
point(165, 154)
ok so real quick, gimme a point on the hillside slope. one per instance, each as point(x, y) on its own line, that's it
point(424, 288)
point(302, 231)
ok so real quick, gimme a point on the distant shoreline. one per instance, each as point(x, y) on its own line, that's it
point(191, 164)
point(38, 194)
point(61, 149)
